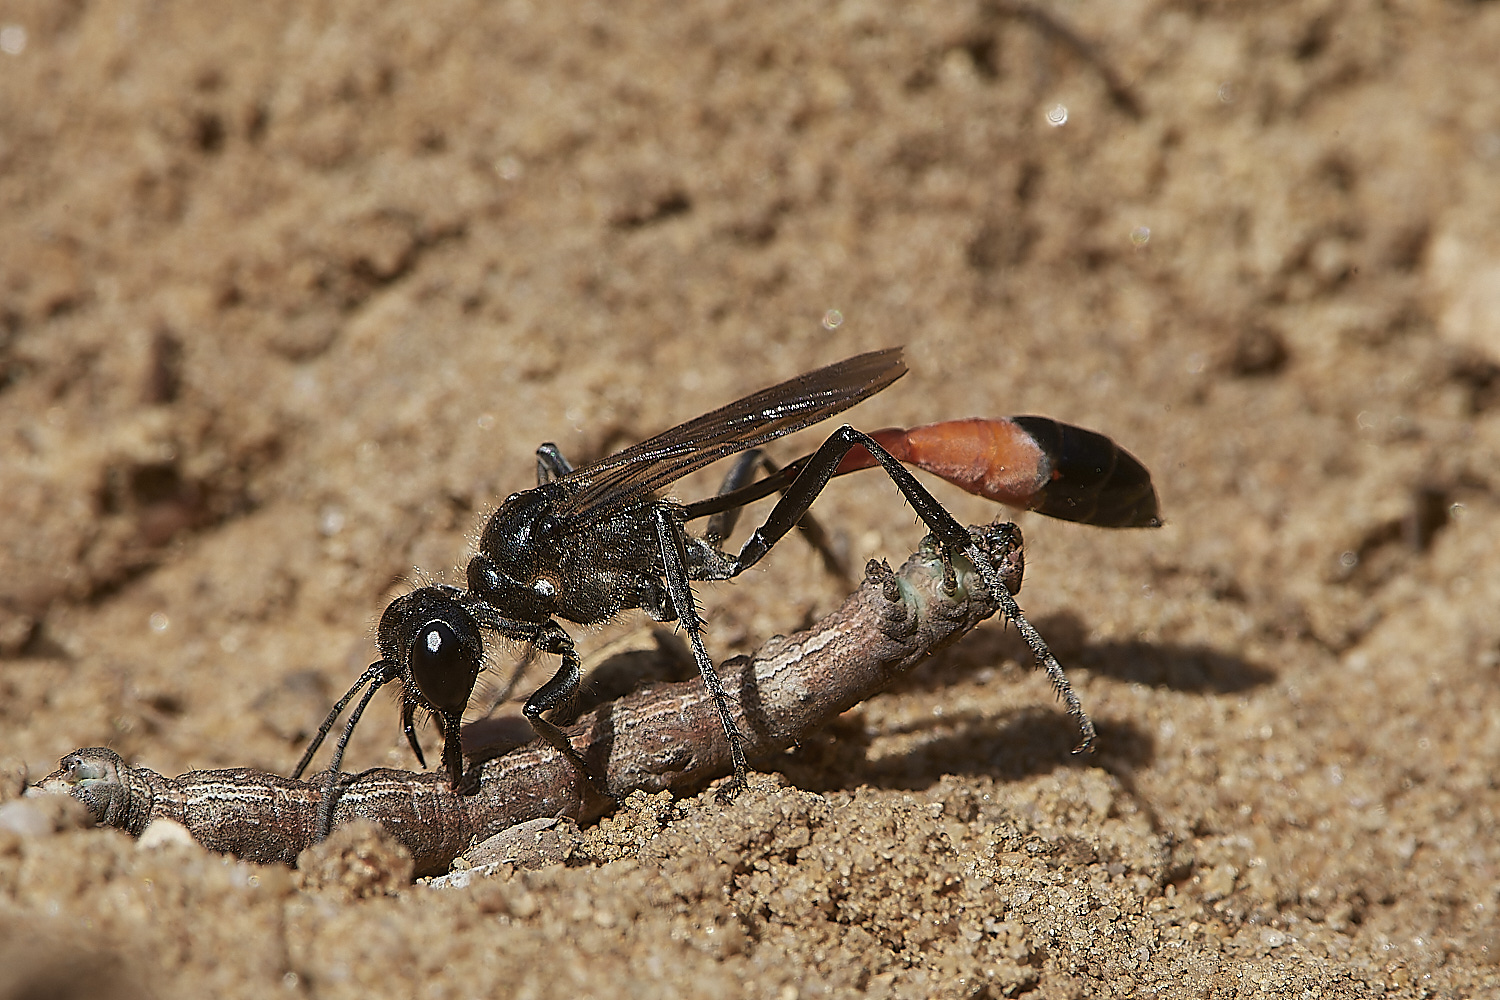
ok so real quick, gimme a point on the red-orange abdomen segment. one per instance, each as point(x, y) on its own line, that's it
point(1035, 463)
point(995, 459)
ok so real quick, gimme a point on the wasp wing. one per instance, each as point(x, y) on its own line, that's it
point(618, 480)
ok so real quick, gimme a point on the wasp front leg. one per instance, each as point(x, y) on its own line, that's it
point(557, 692)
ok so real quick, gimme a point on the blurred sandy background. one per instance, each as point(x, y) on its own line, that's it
point(289, 293)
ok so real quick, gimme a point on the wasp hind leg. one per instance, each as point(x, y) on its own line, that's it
point(814, 475)
point(721, 524)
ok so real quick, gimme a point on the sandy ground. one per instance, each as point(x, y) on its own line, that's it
point(289, 293)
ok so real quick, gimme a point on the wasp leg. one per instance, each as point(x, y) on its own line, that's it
point(721, 523)
point(560, 690)
point(673, 540)
point(550, 464)
point(813, 475)
point(502, 695)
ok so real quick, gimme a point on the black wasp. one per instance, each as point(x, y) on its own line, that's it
point(590, 542)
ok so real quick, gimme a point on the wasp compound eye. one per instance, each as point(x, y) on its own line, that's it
point(444, 664)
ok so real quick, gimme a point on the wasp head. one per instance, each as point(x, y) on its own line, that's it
point(437, 646)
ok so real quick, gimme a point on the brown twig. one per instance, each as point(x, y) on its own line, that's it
point(663, 737)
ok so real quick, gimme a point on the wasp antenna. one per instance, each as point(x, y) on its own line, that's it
point(372, 674)
point(330, 784)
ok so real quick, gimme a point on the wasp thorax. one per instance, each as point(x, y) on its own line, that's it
point(514, 599)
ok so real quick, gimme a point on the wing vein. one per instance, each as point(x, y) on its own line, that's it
point(620, 479)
